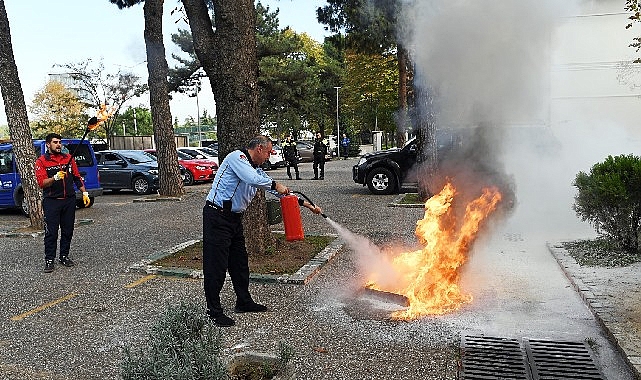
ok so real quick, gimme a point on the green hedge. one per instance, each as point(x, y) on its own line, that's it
point(609, 198)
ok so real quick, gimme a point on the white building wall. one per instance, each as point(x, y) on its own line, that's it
point(589, 60)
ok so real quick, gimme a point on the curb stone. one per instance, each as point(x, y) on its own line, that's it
point(155, 197)
point(397, 202)
point(598, 305)
point(301, 277)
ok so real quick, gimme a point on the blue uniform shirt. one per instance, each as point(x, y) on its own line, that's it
point(238, 180)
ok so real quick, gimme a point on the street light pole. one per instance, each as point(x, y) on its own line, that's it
point(198, 112)
point(338, 131)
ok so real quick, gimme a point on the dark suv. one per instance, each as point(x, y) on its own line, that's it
point(128, 169)
point(383, 172)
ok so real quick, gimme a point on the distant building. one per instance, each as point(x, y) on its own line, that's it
point(71, 81)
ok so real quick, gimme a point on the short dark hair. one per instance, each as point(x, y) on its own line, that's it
point(52, 136)
point(259, 140)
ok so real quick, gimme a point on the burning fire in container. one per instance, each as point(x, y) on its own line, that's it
point(429, 277)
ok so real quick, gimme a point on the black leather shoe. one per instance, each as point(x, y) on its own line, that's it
point(250, 308)
point(222, 320)
point(48, 266)
point(67, 262)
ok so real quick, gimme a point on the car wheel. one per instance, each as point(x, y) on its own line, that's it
point(22, 205)
point(189, 178)
point(81, 204)
point(381, 181)
point(140, 185)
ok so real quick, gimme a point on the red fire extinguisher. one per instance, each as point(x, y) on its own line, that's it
point(291, 218)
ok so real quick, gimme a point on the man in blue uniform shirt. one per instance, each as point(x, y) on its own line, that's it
point(237, 180)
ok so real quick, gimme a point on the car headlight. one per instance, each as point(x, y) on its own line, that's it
point(362, 161)
point(153, 171)
point(201, 167)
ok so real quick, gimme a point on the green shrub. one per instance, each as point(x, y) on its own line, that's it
point(609, 198)
point(183, 344)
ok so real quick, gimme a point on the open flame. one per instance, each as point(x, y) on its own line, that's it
point(429, 277)
point(101, 116)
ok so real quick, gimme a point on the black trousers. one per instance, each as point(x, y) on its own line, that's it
point(224, 250)
point(59, 214)
point(319, 162)
point(292, 164)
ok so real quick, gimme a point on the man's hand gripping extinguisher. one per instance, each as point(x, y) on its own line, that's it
point(290, 209)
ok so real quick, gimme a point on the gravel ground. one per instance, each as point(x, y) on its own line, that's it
point(83, 316)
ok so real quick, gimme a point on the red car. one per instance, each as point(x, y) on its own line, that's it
point(196, 170)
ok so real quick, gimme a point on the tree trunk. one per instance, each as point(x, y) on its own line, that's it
point(169, 173)
point(19, 131)
point(228, 56)
point(403, 119)
point(427, 155)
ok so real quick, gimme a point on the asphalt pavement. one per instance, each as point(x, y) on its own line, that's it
point(74, 322)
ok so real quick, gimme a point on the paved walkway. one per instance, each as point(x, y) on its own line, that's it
point(614, 297)
point(73, 323)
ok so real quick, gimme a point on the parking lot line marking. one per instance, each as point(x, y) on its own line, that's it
point(140, 281)
point(43, 307)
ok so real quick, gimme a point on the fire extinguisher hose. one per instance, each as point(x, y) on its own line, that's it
point(308, 200)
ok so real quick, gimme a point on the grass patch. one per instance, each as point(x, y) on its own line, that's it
point(284, 257)
point(600, 252)
point(410, 199)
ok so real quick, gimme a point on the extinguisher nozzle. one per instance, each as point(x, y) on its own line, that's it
point(324, 216)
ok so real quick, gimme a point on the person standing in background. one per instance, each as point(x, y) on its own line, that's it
point(290, 151)
point(320, 150)
point(345, 146)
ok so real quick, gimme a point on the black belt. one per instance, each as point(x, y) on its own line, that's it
point(221, 210)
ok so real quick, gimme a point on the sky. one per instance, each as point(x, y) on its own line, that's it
point(71, 31)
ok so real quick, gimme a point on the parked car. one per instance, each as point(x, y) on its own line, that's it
point(11, 192)
point(196, 170)
point(305, 151)
point(128, 169)
point(384, 171)
point(276, 159)
point(200, 153)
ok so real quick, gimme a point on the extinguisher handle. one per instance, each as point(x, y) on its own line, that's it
point(308, 200)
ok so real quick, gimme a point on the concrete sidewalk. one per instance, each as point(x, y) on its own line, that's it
point(613, 295)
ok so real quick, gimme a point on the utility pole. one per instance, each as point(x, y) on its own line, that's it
point(338, 131)
point(135, 124)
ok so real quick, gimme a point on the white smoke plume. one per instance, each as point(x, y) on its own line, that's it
point(484, 59)
point(370, 259)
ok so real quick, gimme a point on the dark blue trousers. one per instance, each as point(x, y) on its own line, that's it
point(224, 250)
point(59, 214)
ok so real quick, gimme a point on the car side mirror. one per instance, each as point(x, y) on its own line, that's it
point(121, 163)
point(200, 156)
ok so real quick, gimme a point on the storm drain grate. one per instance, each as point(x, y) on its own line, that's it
point(484, 357)
point(561, 360)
